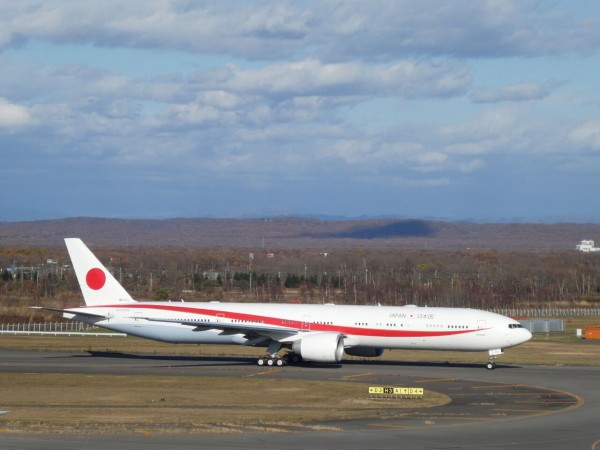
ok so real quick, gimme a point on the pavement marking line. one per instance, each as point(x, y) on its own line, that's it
point(595, 445)
point(518, 410)
point(505, 394)
point(541, 402)
point(266, 372)
point(358, 375)
point(407, 427)
point(478, 419)
point(579, 401)
point(531, 394)
point(466, 419)
point(500, 386)
point(435, 380)
point(396, 427)
point(551, 396)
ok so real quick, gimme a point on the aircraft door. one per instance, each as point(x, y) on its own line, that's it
point(305, 325)
point(481, 327)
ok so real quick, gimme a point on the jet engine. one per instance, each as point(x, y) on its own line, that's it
point(320, 347)
point(367, 352)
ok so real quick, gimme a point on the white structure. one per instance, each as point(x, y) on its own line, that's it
point(586, 247)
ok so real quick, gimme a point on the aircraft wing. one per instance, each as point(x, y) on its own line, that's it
point(251, 331)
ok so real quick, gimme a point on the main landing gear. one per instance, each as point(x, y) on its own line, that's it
point(274, 359)
point(493, 354)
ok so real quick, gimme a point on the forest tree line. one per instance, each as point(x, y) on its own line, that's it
point(465, 278)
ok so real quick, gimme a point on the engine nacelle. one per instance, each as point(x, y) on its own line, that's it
point(367, 352)
point(320, 347)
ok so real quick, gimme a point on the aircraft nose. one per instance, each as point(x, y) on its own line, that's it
point(526, 335)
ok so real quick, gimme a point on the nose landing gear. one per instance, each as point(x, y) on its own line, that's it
point(493, 354)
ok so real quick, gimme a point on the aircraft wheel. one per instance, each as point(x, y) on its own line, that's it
point(279, 362)
point(491, 366)
point(261, 361)
point(270, 362)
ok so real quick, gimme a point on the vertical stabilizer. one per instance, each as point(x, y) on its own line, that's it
point(97, 284)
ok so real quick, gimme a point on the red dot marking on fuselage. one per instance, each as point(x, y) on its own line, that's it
point(95, 278)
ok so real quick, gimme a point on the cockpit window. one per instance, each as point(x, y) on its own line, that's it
point(515, 325)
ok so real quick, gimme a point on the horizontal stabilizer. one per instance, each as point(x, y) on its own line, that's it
point(69, 311)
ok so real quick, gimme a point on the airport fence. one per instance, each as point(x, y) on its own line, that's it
point(544, 325)
point(548, 312)
point(46, 326)
point(54, 328)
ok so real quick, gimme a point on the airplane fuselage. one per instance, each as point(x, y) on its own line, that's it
point(384, 327)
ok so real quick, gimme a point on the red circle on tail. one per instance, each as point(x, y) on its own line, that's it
point(95, 278)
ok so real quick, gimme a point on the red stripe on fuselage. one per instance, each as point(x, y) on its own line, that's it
point(289, 324)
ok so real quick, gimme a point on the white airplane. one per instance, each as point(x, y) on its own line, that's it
point(316, 333)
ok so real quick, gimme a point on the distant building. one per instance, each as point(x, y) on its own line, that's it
point(8, 273)
point(210, 275)
point(586, 247)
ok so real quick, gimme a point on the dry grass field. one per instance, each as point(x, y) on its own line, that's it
point(60, 403)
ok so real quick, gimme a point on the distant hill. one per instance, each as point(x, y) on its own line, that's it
point(286, 232)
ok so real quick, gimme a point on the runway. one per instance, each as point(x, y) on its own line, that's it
point(529, 407)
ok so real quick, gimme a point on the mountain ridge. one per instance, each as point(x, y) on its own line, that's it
point(295, 232)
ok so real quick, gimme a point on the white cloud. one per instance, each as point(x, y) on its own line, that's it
point(587, 135)
point(340, 30)
point(311, 77)
point(513, 93)
point(238, 28)
point(13, 115)
point(197, 114)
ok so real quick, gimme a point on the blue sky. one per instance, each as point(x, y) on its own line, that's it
point(454, 110)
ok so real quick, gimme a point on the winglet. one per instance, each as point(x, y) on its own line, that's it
point(97, 284)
